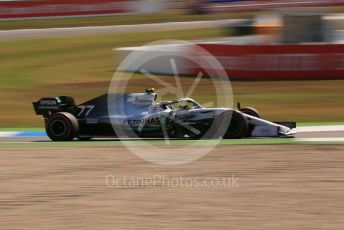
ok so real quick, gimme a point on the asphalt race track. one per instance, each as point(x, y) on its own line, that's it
point(272, 186)
point(101, 185)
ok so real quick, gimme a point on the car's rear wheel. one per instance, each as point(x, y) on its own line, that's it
point(238, 126)
point(62, 126)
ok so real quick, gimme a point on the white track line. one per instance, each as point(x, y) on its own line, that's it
point(320, 139)
point(21, 34)
point(9, 134)
point(312, 129)
point(338, 16)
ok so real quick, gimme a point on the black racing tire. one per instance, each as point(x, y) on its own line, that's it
point(250, 111)
point(253, 112)
point(62, 126)
point(238, 126)
point(175, 130)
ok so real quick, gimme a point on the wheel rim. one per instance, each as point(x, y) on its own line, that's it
point(58, 128)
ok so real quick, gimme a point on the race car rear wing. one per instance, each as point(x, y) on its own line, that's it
point(48, 106)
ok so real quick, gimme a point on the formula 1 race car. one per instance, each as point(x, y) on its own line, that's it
point(139, 115)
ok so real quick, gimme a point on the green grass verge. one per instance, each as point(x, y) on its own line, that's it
point(24, 129)
point(83, 66)
point(161, 143)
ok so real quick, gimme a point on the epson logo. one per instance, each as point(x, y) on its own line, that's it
point(48, 102)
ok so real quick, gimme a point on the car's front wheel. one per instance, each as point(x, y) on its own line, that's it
point(250, 111)
point(62, 126)
point(238, 126)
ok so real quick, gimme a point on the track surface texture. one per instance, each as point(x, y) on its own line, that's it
point(279, 187)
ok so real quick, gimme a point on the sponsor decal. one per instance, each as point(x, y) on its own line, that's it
point(152, 120)
point(92, 121)
point(47, 102)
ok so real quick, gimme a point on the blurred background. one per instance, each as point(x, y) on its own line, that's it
point(286, 58)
